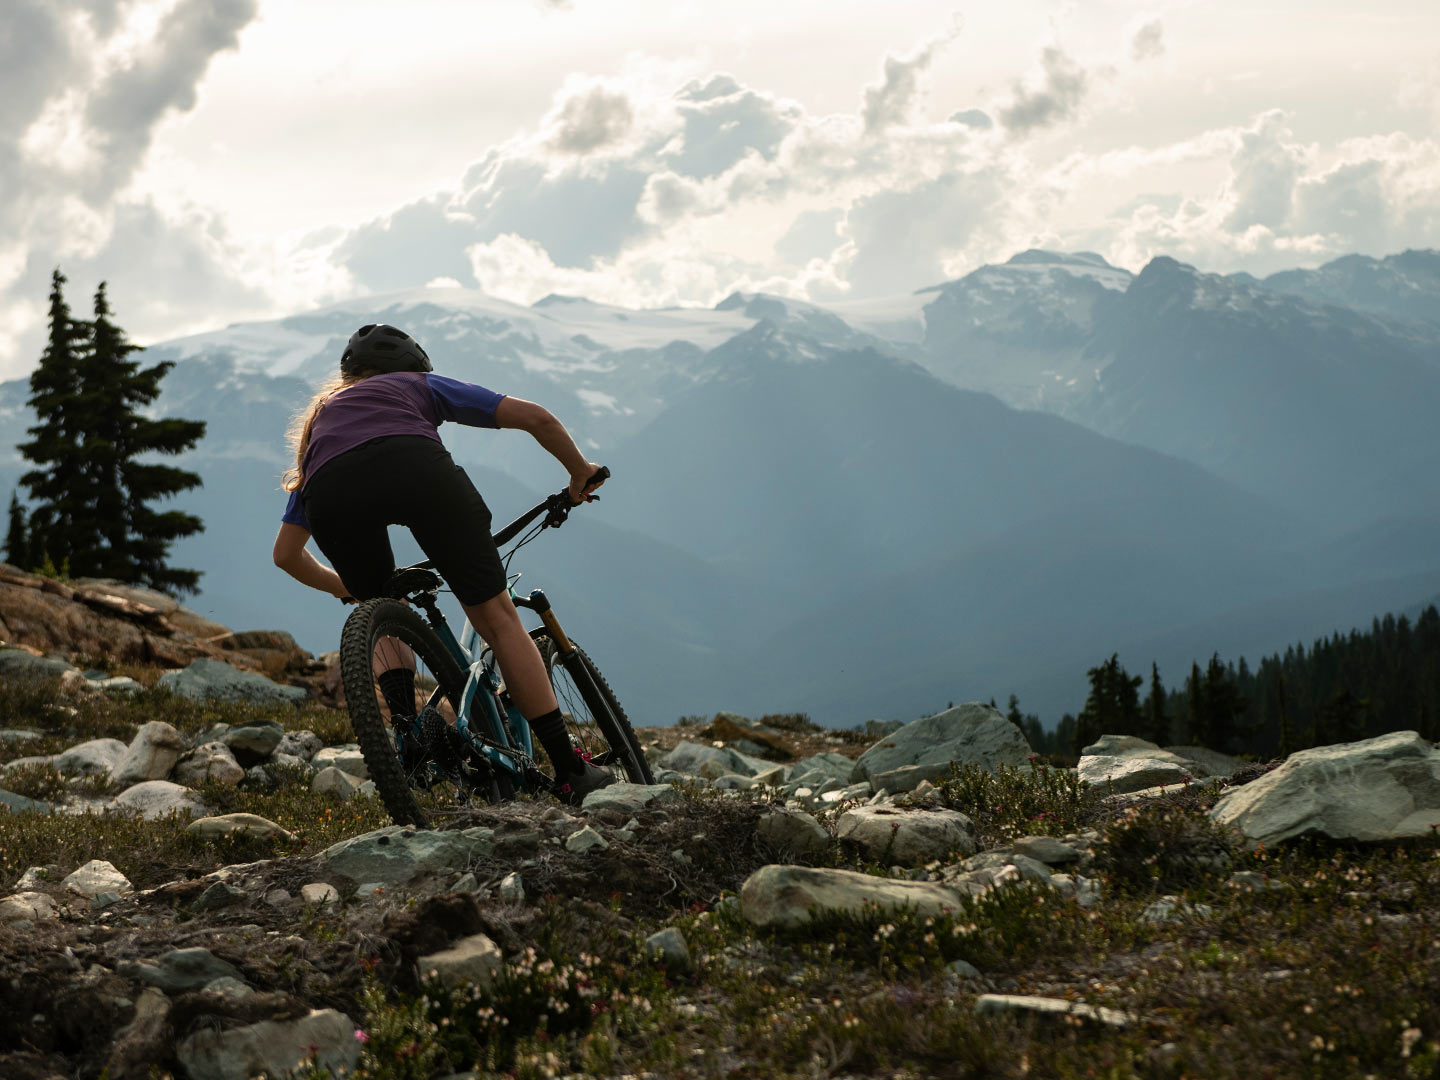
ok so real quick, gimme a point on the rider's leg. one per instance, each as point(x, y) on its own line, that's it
point(394, 666)
point(497, 621)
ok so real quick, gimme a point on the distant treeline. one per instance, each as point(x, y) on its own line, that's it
point(1342, 689)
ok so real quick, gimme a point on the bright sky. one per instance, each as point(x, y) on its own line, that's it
point(219, 160)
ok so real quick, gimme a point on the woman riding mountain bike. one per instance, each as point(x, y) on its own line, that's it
point(368, 454)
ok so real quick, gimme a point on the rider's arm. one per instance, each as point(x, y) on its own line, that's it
point(292, 557)
point(513, 412)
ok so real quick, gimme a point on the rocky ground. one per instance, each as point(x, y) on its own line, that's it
point(196, 881)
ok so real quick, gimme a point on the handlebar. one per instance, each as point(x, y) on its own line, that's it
point(556, 509)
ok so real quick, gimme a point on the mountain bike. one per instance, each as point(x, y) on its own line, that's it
point(462, 739)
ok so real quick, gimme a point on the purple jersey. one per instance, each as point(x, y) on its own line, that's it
point(401, 403)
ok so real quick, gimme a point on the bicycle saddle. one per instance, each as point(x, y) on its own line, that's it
point(411, 579)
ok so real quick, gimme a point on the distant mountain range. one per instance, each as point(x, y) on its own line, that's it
point(872, 508)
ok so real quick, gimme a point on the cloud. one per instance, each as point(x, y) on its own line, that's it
point(1148, 42)
point(891, 101)
point(1064, 84)
point(1263, 175)
point(82, 90)
point(591, 120)
point(975, 118)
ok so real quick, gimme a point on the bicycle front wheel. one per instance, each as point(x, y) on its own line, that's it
point(597, 725)
point(405, 755)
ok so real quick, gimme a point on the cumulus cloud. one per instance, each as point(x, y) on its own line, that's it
point(1062, 89)
point(1148, 42)
point(975, 118)
point(892, 100)
point(590, 120)
point(80, 99)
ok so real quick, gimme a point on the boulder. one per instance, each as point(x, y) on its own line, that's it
point(178, 970)
point(631, 798)
point(214, 680)
point(12, 736)
point(1046, 849)
point(158, 798)
point(347, 758)
point(255, 742)
point(1120, 746)
point(98, 757)
point(96, 877)
point(19, 664)
point(302, 744)
point(585, 839)
point(19, 804)
point(333, 781)
point(833, 766)
point(238, 825)
point(151, 755)
point(697, 759)
point(788, 895)
point(398, 853)
point(27, 907)
point(474, 959)
point(1385, 788)
point(220, 895)
point(1133, 773)
point(1209, 762)
point(971, 734)
point(794, 832)
point(271, 1047)
point(319, 892)
point(208, 763)
point(907, 837)
point(670, 948)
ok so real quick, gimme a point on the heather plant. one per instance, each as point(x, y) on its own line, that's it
point(1161, 847)
point(1011, 802)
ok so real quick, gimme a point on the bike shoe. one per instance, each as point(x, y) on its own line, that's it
point(593, 778)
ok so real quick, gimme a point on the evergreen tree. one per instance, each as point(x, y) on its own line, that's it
point(1113, 707)
point(63, 520)
point(1218, 707)
point(1157, 722)
point(115, 389)
point(17, 536)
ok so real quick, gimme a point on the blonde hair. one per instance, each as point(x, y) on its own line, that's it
point(298, 435)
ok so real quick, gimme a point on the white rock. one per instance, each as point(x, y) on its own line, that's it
point(586, 839)
point(907, 837)
point(151, 754)
point(788, 895)
point(967, 734)
point(238, 825)
point(96, 877)
point(990, 1004)
point(631, 798)
point(94, 758)
point(210, 762)
point(473, 959)
point(319, 892)
point(795, 832)
point(511, 888)
point(1132, 773)
point(271, 1047)
point(156, 798)
point(397, 854)
point(1384, 788)
point(208, 679)
point(1169, 908)
point(346, 758)
point(333, 781)
point(712, 762)
point(31, 906)
point(669, 946)
point(303, 744)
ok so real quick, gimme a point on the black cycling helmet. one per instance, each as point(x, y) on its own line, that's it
point(382, 348)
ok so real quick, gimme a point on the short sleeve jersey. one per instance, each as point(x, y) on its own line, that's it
point(401, 403)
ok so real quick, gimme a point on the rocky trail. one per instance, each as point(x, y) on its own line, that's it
point(197, 881)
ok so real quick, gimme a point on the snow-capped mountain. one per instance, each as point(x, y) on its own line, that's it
point(1404, 286)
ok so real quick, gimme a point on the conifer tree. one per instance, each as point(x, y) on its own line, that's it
point(1113, 707)
point(1157, 723)
point(17, 536)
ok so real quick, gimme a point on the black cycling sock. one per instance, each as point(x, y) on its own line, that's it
point(398, 686)
point(549, 731)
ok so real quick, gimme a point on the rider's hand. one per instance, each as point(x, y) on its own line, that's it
point(579, 491)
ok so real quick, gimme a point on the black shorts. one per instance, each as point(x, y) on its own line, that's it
point(405, 480)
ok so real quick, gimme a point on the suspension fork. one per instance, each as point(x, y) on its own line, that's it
point(539, 603)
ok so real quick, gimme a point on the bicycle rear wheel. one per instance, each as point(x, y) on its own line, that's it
point(417, 761)
point(594, 720)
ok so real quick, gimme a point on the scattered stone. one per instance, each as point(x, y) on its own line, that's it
point(992, 1004)
point(27, 907)
point(19, 664)
point(1383, 788)
point(586, 839)
point(669, 946)
point(907, 837)
point(319, 892)
point(230, 988)
point(303, 744)
point(511, 888)
point(733, 782)
point(20, 804)
point(238, 825)
point(793, 831)
point(157, 798)
point(1210, 762)
point(398, 853)
point(772, 777)
point(95, 877)
point(1169, 908)
point(711, 762)
point(278, 898)
point(347, 758)
point(10, 736)
point(878, 729)
point(971, 734)
point(1046, 849)
point(631, 798)
point(788, 895)
point(1128, 773)
point(214, 680)
point(118, 684)
point(210, 762)
point(253, 743)
point(178, 970)
point(271, 1047)
point(220, 895)
point(258, 776)
point(466, 882)
point(333, 781)
point(1031, 869)
point(1122, 746)
point(98, 757)
point(1242, 879)
point(151, 754)
point(474, 959)
point(962, 969)
point(36, 876)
